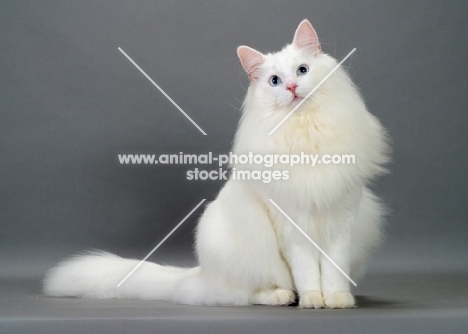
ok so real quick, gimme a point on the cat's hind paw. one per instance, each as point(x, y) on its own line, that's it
point(339, 299)
point(277, 297)
point(311, 299)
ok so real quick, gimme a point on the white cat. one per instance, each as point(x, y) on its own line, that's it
point(248, 252)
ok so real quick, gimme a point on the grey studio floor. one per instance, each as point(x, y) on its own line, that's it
point(425, 302)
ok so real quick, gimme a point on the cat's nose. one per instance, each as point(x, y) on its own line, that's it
point(292, 87)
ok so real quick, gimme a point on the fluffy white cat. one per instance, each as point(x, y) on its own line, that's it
point(248, 252)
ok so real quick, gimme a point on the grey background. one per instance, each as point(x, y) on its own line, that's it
point(70, 102)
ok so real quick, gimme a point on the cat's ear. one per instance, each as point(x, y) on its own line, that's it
point(251, 61)
point(306, 38)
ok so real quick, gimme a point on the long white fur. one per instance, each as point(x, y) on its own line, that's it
point(247, 251)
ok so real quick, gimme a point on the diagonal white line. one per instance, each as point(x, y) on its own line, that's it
point(154, 249)
point(313, 242)
point(163, 92)
point(311, 92)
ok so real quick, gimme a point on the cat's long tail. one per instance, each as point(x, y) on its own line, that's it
point(96, 275)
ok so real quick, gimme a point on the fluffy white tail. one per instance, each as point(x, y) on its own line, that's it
point(96, 275)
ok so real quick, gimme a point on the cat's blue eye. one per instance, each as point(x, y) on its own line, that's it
point(303, 69)
point(275, 80)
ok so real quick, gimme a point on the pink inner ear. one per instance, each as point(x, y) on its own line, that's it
point(251, 60)
point(306, 37)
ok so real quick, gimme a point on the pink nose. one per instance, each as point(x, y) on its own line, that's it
point(292, 88)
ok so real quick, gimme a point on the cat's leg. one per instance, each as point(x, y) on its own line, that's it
point(304, 263)
point(301, 255)
point(336, 286)
point(274, 297)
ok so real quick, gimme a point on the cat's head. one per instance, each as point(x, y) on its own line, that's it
point(284, 78)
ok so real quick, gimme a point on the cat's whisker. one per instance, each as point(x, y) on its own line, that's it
point(237, 109)
point(231, 59)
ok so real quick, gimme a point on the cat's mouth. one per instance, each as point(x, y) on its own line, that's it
point(297, 98)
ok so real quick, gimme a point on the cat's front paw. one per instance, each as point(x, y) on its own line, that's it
point(339, 299)
point(311, 299)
